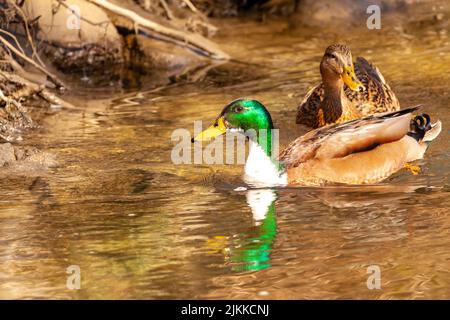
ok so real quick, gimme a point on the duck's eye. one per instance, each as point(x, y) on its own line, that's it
point(239, 109)
point(331, 56)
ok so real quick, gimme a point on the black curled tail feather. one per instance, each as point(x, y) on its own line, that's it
point(419, 126)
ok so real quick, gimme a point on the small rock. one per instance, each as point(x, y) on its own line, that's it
point(6, 154)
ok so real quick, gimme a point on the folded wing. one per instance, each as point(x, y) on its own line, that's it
point(341, 140)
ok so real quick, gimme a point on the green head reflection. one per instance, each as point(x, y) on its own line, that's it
point(251, 251)
point(254, 252)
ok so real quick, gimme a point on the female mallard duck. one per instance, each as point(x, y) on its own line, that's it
point(343, 95)
point(361, 151)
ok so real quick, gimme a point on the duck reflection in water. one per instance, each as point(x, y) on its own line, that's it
point(251, 251)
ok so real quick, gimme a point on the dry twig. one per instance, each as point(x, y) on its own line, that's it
point(51, 76)
point(191, 5)
point(27, 30)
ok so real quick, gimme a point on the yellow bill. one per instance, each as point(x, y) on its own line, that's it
point(216, 129)
point(351, 80)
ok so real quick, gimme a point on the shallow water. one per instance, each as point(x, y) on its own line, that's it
point(140, 227)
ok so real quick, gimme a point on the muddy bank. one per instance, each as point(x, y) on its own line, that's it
point(20, 102)
point(93, 36)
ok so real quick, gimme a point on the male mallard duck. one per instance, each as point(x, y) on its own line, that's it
point(361, 151)
point(363, 94)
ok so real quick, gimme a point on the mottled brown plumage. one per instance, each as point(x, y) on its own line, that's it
point(316, 110)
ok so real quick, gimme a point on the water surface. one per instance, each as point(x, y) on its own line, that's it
point(140, 227)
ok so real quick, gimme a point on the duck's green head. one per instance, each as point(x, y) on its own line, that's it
point(240, 115)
